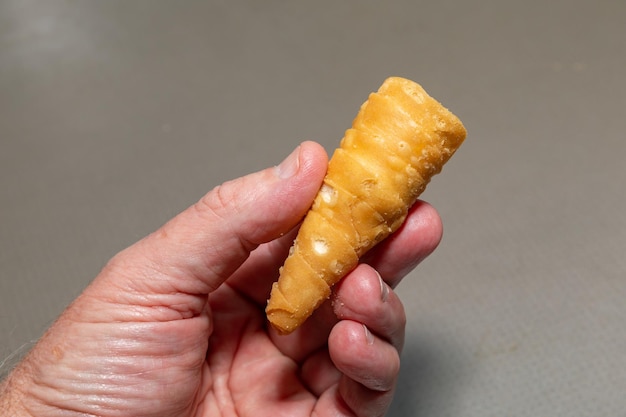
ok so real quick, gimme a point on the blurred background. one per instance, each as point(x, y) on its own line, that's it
point(115, 115)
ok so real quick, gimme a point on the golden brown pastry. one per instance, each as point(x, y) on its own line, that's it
point(400, 138)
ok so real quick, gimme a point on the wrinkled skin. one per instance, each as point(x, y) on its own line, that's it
point(174, 325)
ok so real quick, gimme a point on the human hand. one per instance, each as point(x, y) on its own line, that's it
point(174, 325)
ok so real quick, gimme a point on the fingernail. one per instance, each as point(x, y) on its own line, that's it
point(290, 165)
point(368, 335)
point(384, 289)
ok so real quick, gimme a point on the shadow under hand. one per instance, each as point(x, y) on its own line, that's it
point(431, 375)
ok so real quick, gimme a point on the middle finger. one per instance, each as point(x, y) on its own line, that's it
point(364, 297)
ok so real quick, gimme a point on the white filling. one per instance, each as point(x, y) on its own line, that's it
point(336, 266)
point(329, 194)
point(320, 246)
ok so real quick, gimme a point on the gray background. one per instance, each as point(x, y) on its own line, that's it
point(115, 115)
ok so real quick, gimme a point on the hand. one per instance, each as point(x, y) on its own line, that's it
point(174, 325)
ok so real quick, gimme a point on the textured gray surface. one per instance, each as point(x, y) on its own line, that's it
point(115, 115)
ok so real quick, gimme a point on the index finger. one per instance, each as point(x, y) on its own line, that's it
point(401, 252)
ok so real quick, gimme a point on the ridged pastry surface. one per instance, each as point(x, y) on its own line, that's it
point(399, 139)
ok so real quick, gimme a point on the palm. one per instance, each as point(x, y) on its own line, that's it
point(245, 371)
point(250, 371)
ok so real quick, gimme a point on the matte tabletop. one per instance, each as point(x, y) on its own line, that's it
point(116, 115)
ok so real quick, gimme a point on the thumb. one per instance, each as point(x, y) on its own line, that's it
point(197, 250)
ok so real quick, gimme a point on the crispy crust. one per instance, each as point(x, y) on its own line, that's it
point(400, 138)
